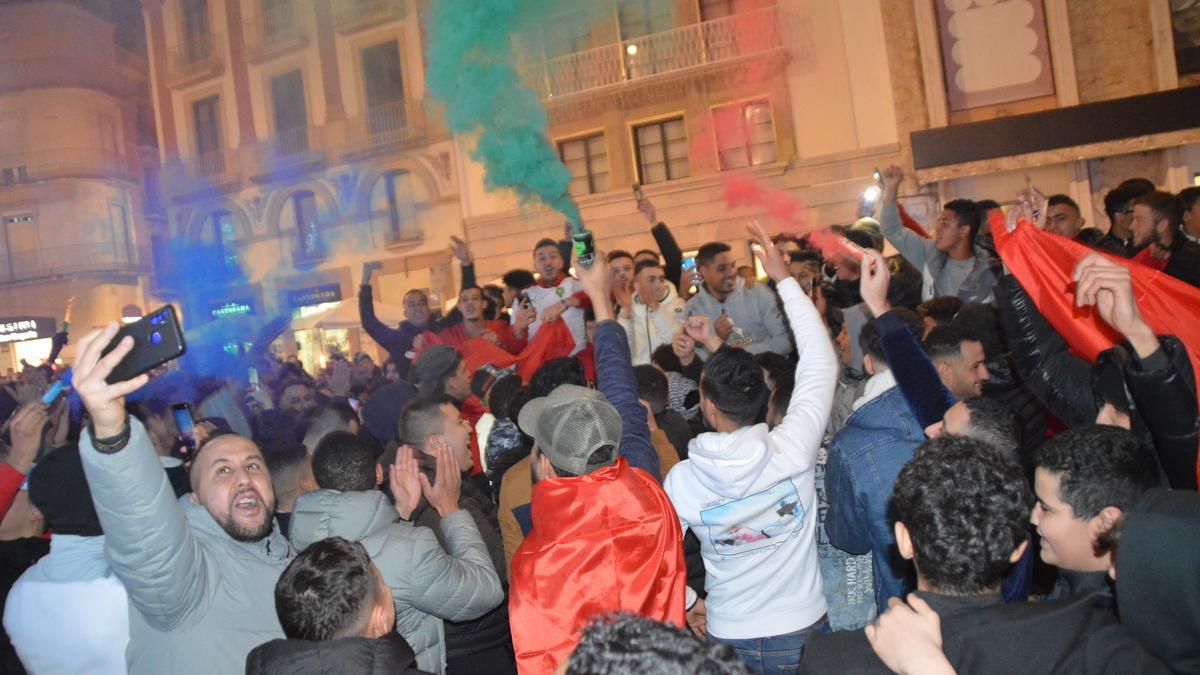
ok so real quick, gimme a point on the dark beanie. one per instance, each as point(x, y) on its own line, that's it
point(59, 489)
point(434, 366)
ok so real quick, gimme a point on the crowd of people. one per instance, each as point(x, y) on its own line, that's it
point(860, 464)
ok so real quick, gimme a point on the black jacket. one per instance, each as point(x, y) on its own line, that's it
point(1043, 362)
point(1118, 247)
point(388, 655)
point(1184, 263)
point(1005, 387)
point(1158, 565)
point(980, 634)
point(1164, 389)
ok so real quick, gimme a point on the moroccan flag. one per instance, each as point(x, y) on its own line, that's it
point(1043, 262)
point(608, 541)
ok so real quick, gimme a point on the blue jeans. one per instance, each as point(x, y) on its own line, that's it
point(776, 655)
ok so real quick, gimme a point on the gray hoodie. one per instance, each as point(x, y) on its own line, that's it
point(753, 310)
point(427, 584)
point(200, 599)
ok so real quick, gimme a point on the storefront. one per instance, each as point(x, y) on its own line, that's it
point(24, 338)
point(315, 345)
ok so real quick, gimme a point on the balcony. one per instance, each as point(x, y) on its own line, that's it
point(194, 60)
point(54, 72)
point(276, 32)
point(350, 16)
point(388, 126)
point(726, 41)
point(112, 258)
point(63, 163)
point(204, 173)
point(289, 151)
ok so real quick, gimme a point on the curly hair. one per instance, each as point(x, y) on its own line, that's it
point(625, 643)
point(1097, 467)
point(733, 381)
point(966, 506)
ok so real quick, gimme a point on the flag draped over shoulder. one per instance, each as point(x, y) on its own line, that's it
point(604, 542)
point(1044, 262)
point(553, 341)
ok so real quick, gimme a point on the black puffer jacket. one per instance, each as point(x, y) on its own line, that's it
point(388, 655)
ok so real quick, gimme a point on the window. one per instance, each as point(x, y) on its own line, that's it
point(277, 18)
point(745, 135)
point(291, 117)
point(661, 151)
point(119, 225)
point(402, 214)
point(384, 84)
point(1185, 25)
point(304, 205)
point(206, 123)
point(587, 158)
point(21, 236)
point(220, 232)
point(572, 34)
point(643, 17)
point(716, 9)
point(196, 41)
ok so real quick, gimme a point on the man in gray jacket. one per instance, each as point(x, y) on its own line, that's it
point(427, 584)
point(746, 317)
point(950, 263)
point(201, 571)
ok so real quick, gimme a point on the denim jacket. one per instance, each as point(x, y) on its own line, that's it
point(864, 459)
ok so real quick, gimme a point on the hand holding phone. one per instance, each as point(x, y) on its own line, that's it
point(157, 339)
point(182, 412)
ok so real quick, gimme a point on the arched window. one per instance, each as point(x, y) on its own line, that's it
point(401, 203)
point(220, 231)
point(304, 207)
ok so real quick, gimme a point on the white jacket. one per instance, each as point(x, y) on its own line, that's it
point(69, 612)
point(750, 498)
point(650, 328)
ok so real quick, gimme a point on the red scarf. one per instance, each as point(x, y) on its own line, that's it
point(608, 541)
point(1044, 263)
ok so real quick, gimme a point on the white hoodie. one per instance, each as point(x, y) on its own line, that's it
point(750, 498)
point(648, 329)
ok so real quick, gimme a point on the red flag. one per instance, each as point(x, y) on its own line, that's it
point(608, 541)
point(1044, 262)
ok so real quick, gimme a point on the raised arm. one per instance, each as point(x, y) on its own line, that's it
point(614, 370)
point(671, 253)
point(816, 372)
point(915, 373)
point(912, 246)
point(1160, 376)
point(148, 541)
point(1060, 380)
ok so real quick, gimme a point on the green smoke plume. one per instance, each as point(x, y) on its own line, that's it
point(471, 70)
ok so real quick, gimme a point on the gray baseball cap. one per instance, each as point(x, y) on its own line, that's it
point(570, 424)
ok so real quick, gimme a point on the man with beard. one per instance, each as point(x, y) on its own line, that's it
point(200, 572)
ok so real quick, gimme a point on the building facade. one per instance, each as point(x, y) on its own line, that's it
point(296, 138)
point(824, 92)
point(76, 146)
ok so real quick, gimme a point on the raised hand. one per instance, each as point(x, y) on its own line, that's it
point(26, 431)
point(104, 402)
point(443, 494)
point(339, 377)
point(647, 208)
point(405, 480)
point(892, 177)
point(623, 292)
point(459, 248)
point(684, 347)
point(1108, 286)
point(875, 279)
point(700, 328)
point(723, 327)
point(367, 269)
point(768, 254)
